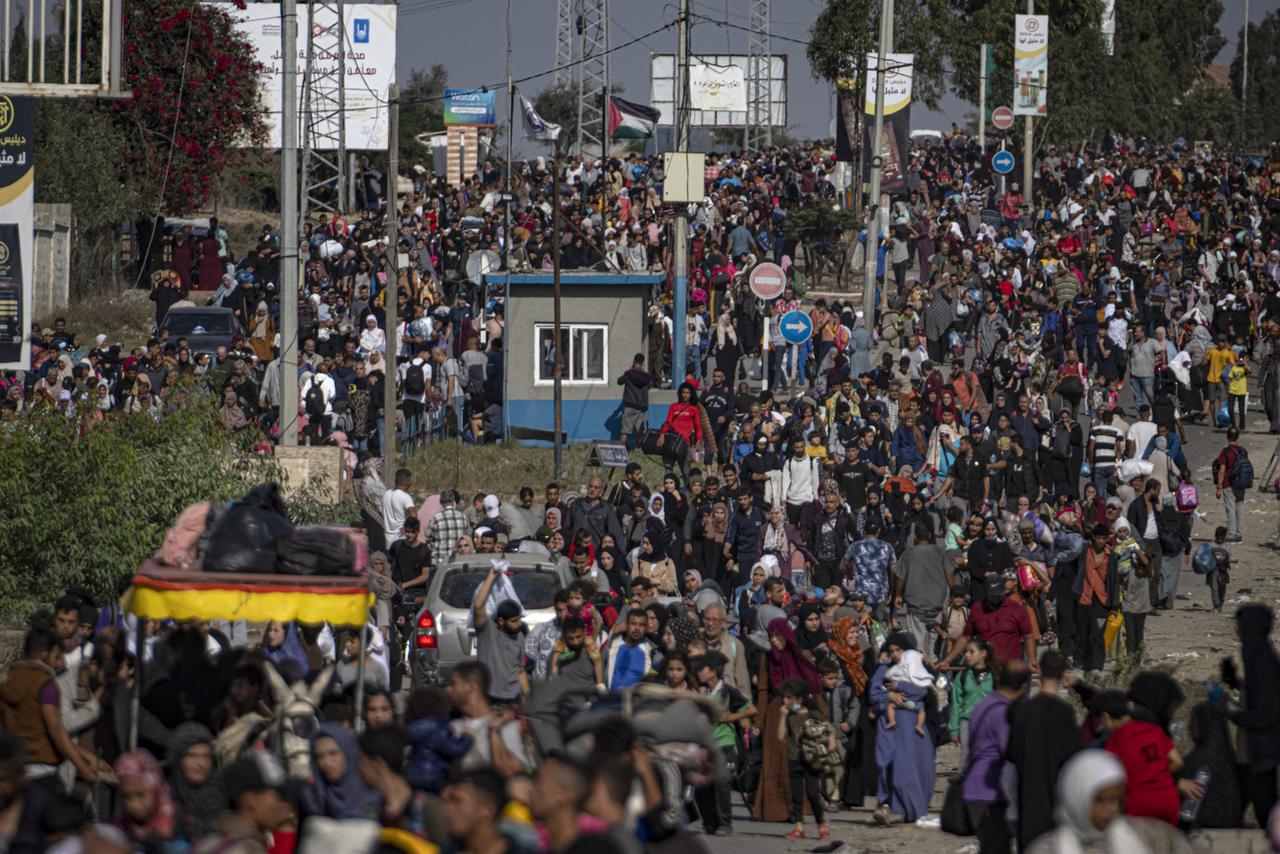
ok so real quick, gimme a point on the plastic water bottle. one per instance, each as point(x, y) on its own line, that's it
point(1191, 806)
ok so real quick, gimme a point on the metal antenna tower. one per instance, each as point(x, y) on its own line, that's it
point(324, 136)
point(759, 115)
point(593, 79)
point(564, 43)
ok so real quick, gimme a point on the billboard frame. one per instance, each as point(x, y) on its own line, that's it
point(662, 89)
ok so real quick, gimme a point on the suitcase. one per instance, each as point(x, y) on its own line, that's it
point(315, 550)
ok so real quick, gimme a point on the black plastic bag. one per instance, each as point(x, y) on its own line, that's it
point(244, 538)
point(315, 550)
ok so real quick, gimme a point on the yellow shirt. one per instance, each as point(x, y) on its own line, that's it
point(1219, 359)
point(1238, 384)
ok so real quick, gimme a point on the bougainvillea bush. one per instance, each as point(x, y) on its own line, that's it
point(196, 114)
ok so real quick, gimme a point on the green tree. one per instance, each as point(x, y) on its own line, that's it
point(1260, 113)
point(118, 486)
point(819, 226)
point(421, 110)
point(1161, 50)
point(847, 30)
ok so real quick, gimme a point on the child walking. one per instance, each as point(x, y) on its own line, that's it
point(974, 683)
point(1220, 576)
point(799, 723)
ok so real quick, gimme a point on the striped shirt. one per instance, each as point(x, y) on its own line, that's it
point(1107, 445)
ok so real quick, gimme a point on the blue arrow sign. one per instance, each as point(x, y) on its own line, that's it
point(1003, 162)
point(796, 327)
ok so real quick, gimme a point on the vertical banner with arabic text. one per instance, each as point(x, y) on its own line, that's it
point(895, 144)
point(17, 214)
point(1030, 65)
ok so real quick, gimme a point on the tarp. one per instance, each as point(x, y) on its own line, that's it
point(194, 596)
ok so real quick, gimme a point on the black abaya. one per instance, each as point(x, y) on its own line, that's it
point(1043, 735)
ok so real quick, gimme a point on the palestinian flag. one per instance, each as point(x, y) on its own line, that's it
point(631, 121)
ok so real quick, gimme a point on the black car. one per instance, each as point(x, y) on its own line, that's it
point(206, 328)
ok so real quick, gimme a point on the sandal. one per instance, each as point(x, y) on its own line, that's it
point(795, 833)
point(824, 832)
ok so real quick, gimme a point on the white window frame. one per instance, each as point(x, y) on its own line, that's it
point(572, 329)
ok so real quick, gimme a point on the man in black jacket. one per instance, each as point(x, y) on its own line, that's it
point(635, 382)
point(829, 535)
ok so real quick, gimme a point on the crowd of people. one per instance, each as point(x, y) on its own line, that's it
point(946, 524)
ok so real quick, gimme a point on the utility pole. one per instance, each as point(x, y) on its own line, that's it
point(1029, 140)
point(509, 194)
point(557, 399)
point(391, 292)
point(289, 223)
point(982, 98)
point(874, 214)
point(1244, 60)
point(680, 262)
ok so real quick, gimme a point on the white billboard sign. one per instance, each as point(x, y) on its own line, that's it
point(369, 51)
point(717, 87)
point(662, 89)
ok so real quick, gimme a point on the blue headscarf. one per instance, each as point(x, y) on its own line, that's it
point(290, 650)
point(349, 797)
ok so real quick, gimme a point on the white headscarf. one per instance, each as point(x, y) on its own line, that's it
point(1086, 774)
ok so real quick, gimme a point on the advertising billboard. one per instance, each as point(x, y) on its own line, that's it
point(470, 107)
point(369, 48)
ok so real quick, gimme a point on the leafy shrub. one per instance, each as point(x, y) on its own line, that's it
point(85, 502)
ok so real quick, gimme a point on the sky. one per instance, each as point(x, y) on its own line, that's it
point(469, 37)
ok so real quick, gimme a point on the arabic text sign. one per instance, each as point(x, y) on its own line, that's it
point(370, 67)
point(897, 82)
point(717, 87)
point(1030, 65)
point(17, 212)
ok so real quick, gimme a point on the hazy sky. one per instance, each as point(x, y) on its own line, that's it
point(469, 37)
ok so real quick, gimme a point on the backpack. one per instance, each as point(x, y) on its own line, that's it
point(415, 379)
point(815, 745)
point(1241, 476)
point(1204, 561)
point(313, 401)
point(463, 375)
point(1186, 497)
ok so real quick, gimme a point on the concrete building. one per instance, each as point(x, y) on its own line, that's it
point(602, 317)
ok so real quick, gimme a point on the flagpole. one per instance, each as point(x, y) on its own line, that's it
point(557, 399)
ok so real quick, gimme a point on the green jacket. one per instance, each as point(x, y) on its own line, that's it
point(966, 691)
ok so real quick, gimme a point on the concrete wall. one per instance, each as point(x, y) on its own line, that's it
point(51, 266)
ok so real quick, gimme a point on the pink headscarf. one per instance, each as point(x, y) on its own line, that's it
point(145, 768)
point(789, 663)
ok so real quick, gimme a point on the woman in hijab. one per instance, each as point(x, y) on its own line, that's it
point(231, 414)
point(371, 337)
point(784, 661)
point(147, 812)
point(197, 787)
point(654, 564)
point(810, 636)
point(701, 593)
point(103, 402)
point(1261, 697)
point(712, 528)
point(1222, 804)
point(338, 790)
point(281, 647)
point(613, 563)
point(682, 629)
point(1090, 815)
point(750, 594)
point(905, 757)
point(728, 350)
point(262, 332)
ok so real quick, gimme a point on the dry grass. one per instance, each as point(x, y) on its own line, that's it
point(126, 317)
point(503, 469)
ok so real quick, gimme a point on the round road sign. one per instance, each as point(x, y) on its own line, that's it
point(1003, 162)
point(1002, 118)
point(796, 327)
point(767, 280)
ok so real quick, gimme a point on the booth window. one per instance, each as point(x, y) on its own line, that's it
point(583, 351)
